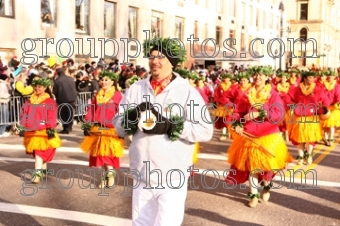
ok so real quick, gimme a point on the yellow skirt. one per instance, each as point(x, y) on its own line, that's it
point(103, 142)
point(196, 151)
point(305, 129)
point(37, 140)
point(222, 111)
point(334, 120)
point(248, 156)
point(287, 121)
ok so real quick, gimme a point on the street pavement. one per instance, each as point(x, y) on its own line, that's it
point(298, 200)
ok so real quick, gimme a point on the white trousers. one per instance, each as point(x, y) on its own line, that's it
point(158, 207)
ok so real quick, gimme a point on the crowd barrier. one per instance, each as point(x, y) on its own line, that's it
point(10, 112)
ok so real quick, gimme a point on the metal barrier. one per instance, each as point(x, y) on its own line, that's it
point(10, 112)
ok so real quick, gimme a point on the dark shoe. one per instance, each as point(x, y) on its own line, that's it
point(64, 132)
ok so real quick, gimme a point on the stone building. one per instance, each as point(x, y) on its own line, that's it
point(80, 29)
point(318, 21)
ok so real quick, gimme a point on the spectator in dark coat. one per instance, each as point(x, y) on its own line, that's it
point(65, 93)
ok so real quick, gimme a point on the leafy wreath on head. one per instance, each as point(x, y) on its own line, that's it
point(111, 75)
point(308, 73)
point(243, 74)
point(173, 48)
point(182, 72)
point(41, 81)
point(134, 79)
point(266, 70)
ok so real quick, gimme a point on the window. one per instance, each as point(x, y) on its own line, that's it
point(109, 19)
point(49, 13)
point(244, 10)
point(206, 32)
point(219, 6)
point(302, 59)
point(197, 2)
point(156, 24)
point(231, 35)
point(132, 23)
point(83, 16)
point(304, 11)
point(6, 8)
point(206, 3)
point(6, 55)
point(290, 59)
point(243, 43)
point(179, 30)
point(264, 20)
point(257, 17)
point(232, 7)
point(196, 29)
point(271, 21)
point(303, 34)
point(219, 35)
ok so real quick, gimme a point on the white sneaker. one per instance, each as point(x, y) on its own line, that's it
point(5, 134)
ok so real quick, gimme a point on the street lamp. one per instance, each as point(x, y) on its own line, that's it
point(276, 52)
point(282, 9)
point(289, 55)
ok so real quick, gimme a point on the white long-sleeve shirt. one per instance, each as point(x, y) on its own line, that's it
point(4, 92)
point(157, 152)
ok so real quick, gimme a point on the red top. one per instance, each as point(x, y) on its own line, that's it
point(333, 96)
point(104, 113)
point(236, 93)
point(39, 116)
point(222, 96)
point(205, 93)
point(294, 83)
point(270, 125)
point(308, 103)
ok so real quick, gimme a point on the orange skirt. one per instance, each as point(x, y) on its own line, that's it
point(247, 156)
point(37, 140)
point(103, 142)
point(334, 120)
point(305, 129)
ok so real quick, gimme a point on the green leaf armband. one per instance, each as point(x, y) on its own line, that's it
point(86, 126)
point(50, 131)
point(21, 128)
point(237, 123)
point(263, 114)
point(176, 128)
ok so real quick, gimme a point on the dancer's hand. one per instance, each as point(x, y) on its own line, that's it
point(239, 130)
point(251, 115)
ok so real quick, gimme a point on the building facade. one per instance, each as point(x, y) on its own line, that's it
point(86, 30)
point(317, 21)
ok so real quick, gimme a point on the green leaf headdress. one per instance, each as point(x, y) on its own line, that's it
point(169, 47)
point(243, 74)
point(41, 81)
point(305, 74)
point(134, 79)
point(182, 72)
point(266, 70)
point(192, 75)
point(281, 74)
point(226, 75)
point(293, 70)
point(111, 75)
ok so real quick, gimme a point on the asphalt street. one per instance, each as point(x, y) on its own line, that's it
point(299, 199)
